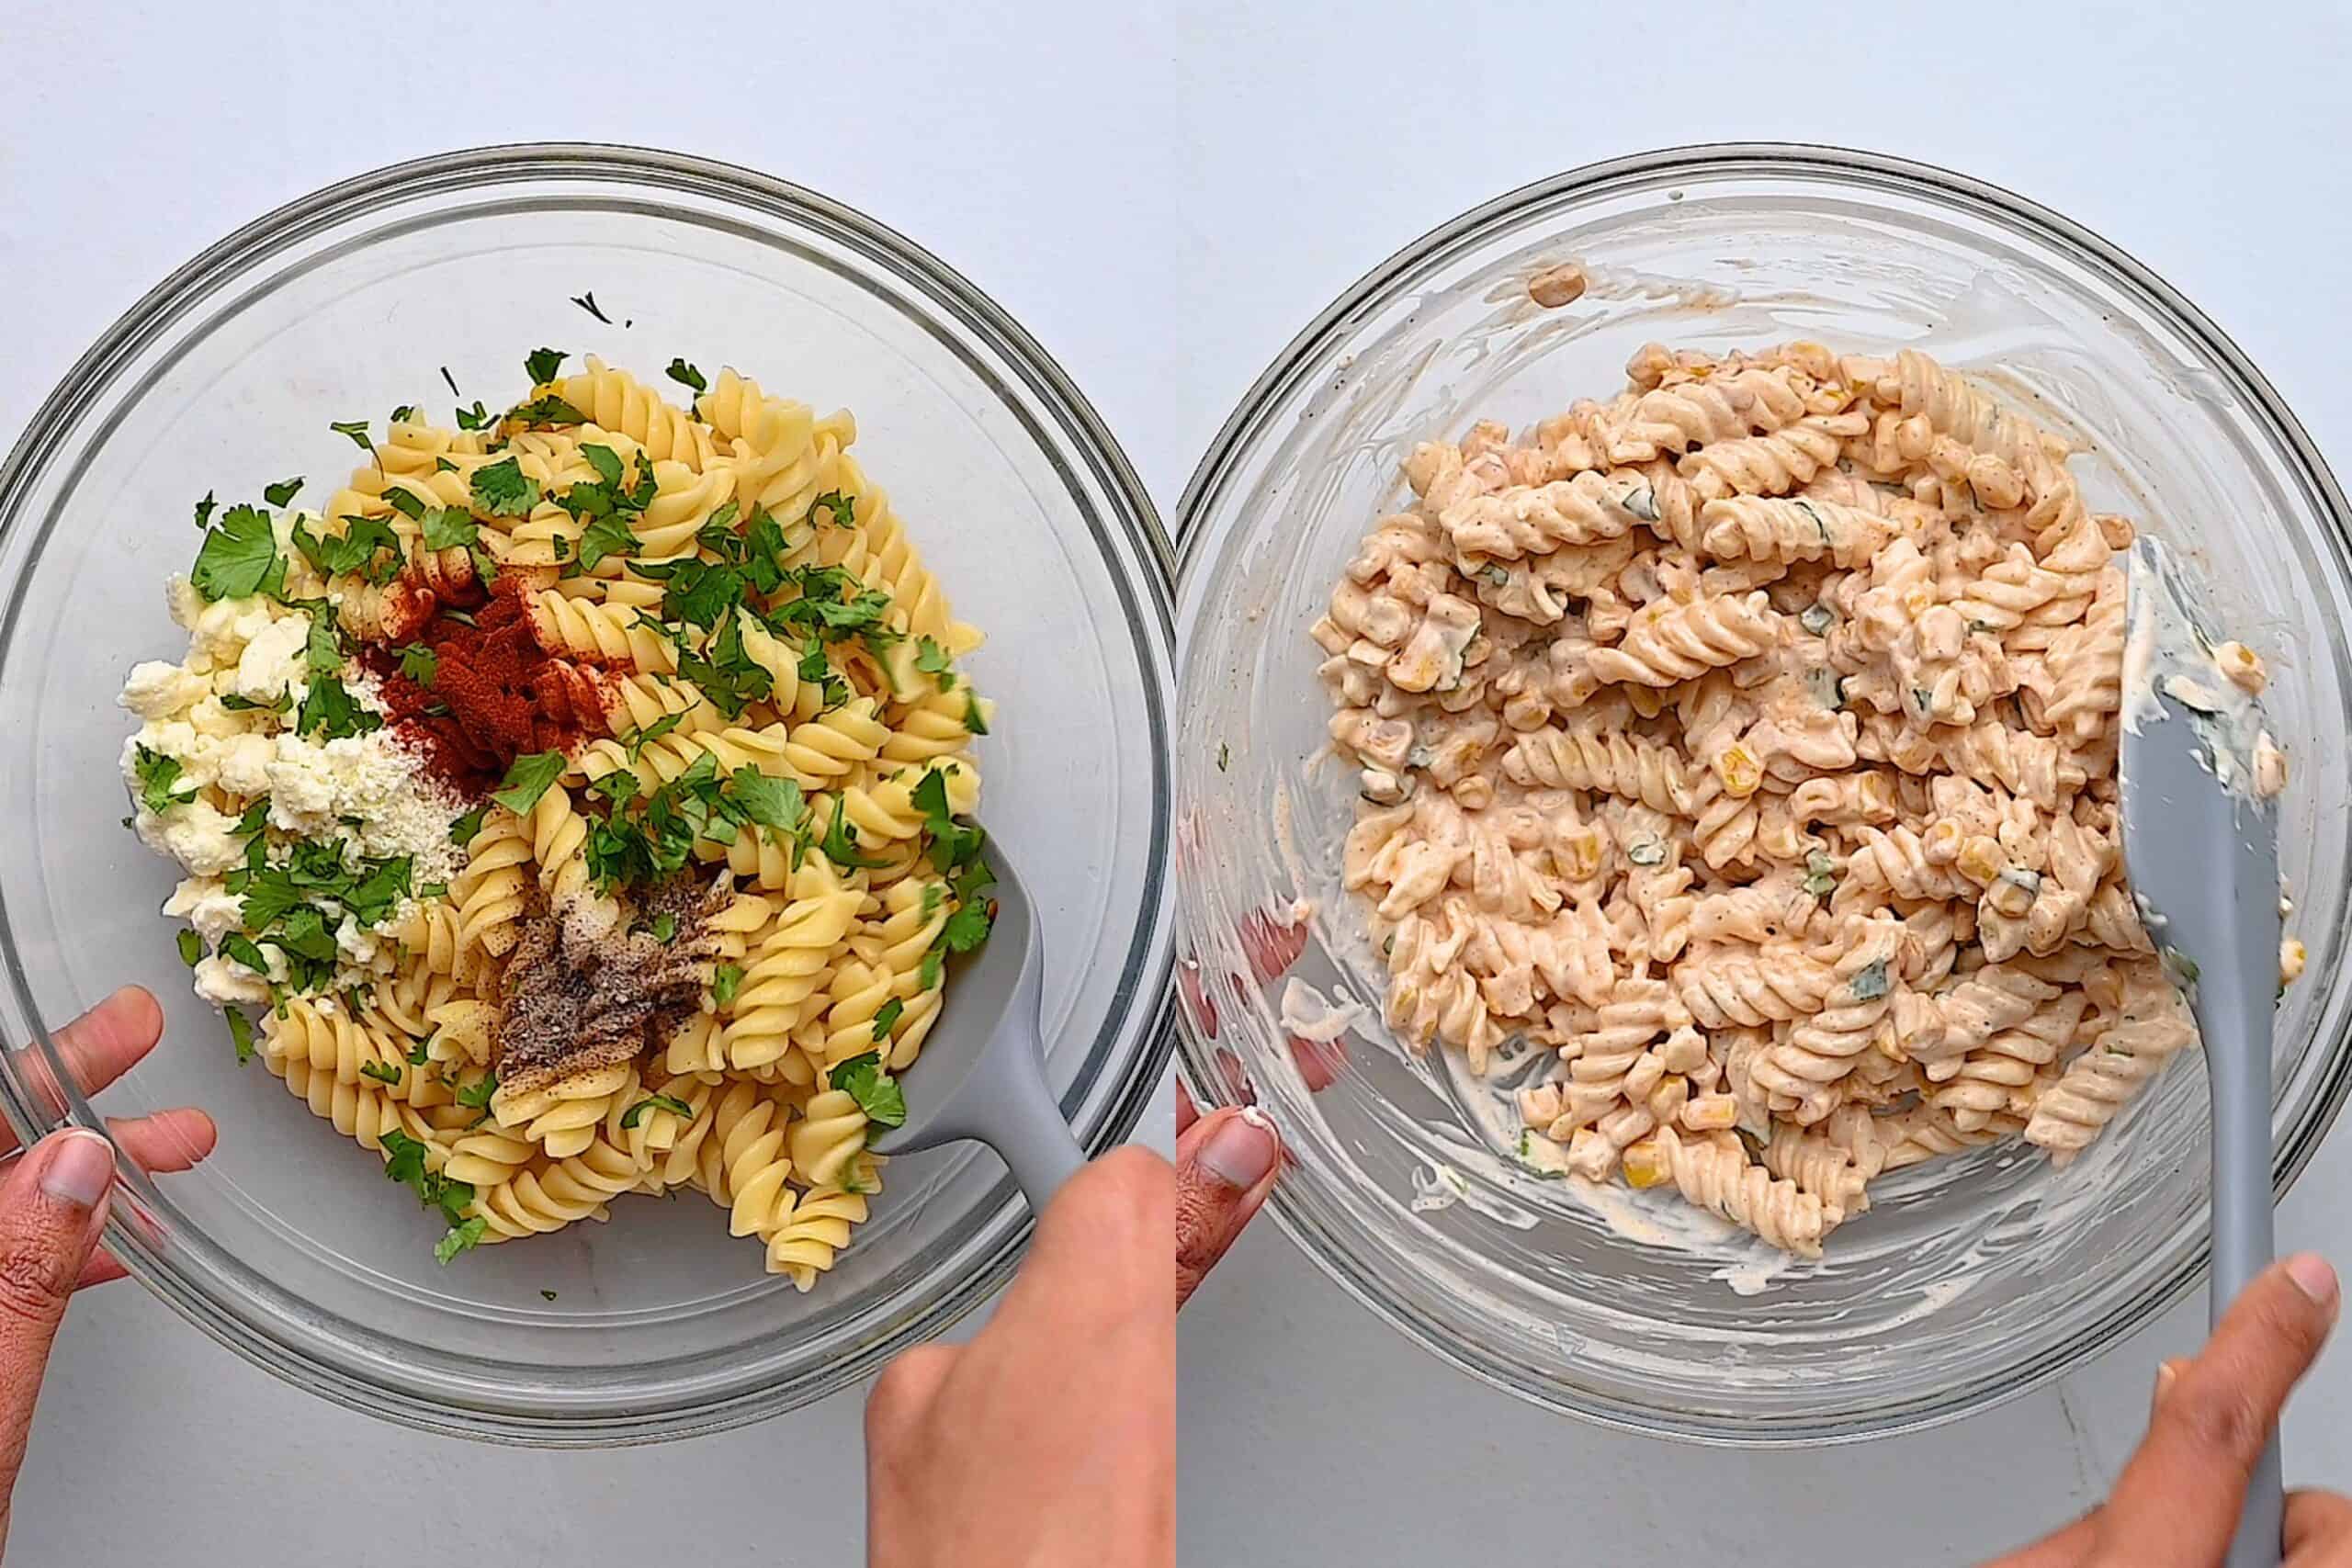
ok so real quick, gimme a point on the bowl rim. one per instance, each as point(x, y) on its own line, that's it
point(1147, 1004)
point(1245, 427)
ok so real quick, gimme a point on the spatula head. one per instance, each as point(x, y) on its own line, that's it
point(2201, 848)
point(987, 1025)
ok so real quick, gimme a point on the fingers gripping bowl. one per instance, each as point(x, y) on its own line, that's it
point(296, 1252)
point(1967, 1281)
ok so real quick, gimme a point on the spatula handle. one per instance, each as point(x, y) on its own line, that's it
point(2233, 1008)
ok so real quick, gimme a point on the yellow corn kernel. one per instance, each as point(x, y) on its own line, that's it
point(1981, 860)
point(1667, 1100)
point(1590, 1155)
point(1578, 853)
point(1646, 1164)
point(1737, 767)
point(2243, 665)
point(1711, 1112)
point(2290, 960)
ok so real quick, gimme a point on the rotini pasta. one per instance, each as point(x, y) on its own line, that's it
point(1749, 742)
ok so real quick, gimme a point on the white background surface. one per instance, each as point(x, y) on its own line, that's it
point(1163, 194)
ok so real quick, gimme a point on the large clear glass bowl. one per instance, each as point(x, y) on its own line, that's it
point(1969, 1280)
point(287, 1244)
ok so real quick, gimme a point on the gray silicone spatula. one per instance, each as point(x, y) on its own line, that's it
point(2202, 854)
point(982, 1071)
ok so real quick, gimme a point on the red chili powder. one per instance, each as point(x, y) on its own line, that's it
point(495, 693)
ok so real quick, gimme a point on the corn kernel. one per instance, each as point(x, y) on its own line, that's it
point(1685, 1051)
point(2243, 665)
point(1735, 766)
point(1667, 1100)
point(1981, 860)
point(1646, 1164)
point(1711, 1112)
point(1590, 1155)
point(1578, 853)
point(2290, 960)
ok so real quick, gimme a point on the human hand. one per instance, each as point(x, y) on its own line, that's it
point(1050, 1441)
point(1226, 1164)
point(2177, 1501)
point(53, 1204)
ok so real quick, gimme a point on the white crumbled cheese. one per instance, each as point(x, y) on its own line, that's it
point(156, 690)
point(223, 981)
point(203, 903)
point(272, 664)
point(368, 791)
point(195, 835)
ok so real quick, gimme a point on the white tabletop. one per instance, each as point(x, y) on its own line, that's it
point(1163, 194)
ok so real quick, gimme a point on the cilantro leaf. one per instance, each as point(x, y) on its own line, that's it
point(608, 536)
point(334, 712)
point(353, 551)
point(932, 660)
point(504, 490)
point(724, 981)
point(450, 528)
point(527, 779)
point(653, 1102)
point(968, 927)
point(191, 948)
point(476, 1095)
point(463, 1236)
point(542, 364)
point(158, 776)
point(478, 417)
point(886, 1019)
point(548, 410)
point(620, 786)
point(686, 375)
point(838, 508)
point(463, 828)
point(356, 429)
point(382, 1072)
point(664, 926)
point(974, 720)
point(241, 1034)
point(588, 302)
point(839, 842)
point(237, 556)
point(321, 653)
point(606, 461)
point(770, 802)
point(405, 502)
point(282, 492)
point(419, 663)
point(204, 511)
point(877, 1092)
point(954, 844)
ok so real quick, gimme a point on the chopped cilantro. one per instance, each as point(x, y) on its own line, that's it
point(724, 981)
point(526, 779)
point(478, 417)
point(620, 786)
point(476, 1094)
point(547, 1295)
point(204, 511)
point(974, 720)
point(504, 490)
point(877, 1092)
point(664, 926)
point(405, 502)
point(651, 1102)
point(382, 1072)
point(548, 410)
point(405, 414)
point(321, 653)
point(839, 842)
point(588, 302)
point(158, 776)
point(452, 381)
point(237, 556)
point(932, 660)
point(968, 927)
point(839, 509)
point(356, 429)
point(333, 713)
point(1870, 982)
point(241, 1034)
point(452, 527)
point(354, 551)
point(419, 663)
point(282, 492)
point(463, 828)
point(542, 364)
point(686, 375)
point(460, 1237)
point(886, 1019)
point(770, 802)
point(191, 948)
point(1224, 756)
point(606, 461)
point(636, 744)
point(608, 536)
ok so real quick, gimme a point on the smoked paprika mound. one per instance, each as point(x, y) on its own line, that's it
point(493, 693)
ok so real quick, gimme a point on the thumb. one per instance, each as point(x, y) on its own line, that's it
point(51, 1206)
point(2177, 1501)
point(1226, 1164)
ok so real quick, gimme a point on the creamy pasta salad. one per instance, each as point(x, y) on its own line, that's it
point(577, 803)
point(1748, 740)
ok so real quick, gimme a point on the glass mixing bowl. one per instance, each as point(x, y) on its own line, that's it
point(287, 1246)
point(1969, 1280)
